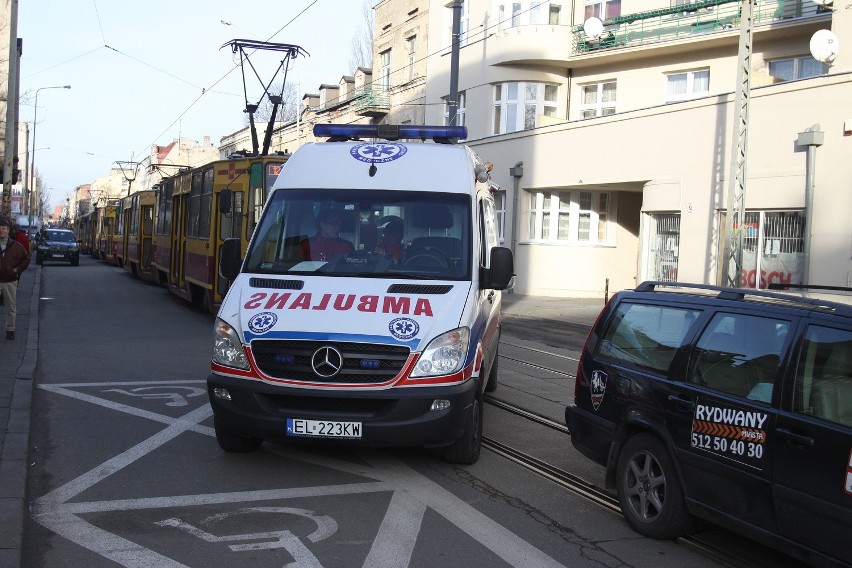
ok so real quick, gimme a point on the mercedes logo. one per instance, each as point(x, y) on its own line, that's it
point(327, 362)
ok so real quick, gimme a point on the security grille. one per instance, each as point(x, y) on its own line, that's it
point(664, 246)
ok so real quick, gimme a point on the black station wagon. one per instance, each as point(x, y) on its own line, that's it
point(727, 404)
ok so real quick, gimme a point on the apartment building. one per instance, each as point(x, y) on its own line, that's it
point(613, 150)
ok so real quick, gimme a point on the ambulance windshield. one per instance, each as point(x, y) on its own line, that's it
point(367, 233)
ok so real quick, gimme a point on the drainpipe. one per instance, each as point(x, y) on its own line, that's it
point(516, 172)
point(813, 137)
point(453, 101)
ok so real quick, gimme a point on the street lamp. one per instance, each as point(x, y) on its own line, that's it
point(32, 162)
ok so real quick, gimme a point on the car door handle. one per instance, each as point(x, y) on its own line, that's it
point(683, 404)
point(797, 439)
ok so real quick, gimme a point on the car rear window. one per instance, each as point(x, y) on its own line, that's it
point(646, 335)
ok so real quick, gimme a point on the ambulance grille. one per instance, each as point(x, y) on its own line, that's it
point(418, 289)
point(363, 363)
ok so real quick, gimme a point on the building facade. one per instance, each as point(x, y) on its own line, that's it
point(613, 140)
point(611, 126)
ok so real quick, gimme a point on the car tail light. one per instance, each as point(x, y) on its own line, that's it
point(586, 347)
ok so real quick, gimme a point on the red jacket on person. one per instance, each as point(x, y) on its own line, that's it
point(21, 237)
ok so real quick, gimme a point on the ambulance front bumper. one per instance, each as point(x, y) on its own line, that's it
point(390, 417)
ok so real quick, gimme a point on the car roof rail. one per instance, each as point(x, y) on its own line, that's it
point(728, 293)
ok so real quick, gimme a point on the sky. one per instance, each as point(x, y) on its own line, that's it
point(148, 72)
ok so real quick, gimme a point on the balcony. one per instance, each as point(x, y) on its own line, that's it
point(688, 21)
point(371, 101)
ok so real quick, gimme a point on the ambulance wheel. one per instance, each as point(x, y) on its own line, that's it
point(466, 449)
point(649, 490)
point(491, 385)
point(230, 442)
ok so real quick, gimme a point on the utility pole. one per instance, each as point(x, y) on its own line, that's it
point(732, 261)
point(453, 101)
point(11, 133)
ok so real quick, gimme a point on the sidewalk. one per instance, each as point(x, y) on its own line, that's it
point(583, 311)
point(17, 366)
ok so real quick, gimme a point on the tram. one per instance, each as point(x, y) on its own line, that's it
point(106, 244)
point(171, 235)
point(84, 231)
point(135, 246)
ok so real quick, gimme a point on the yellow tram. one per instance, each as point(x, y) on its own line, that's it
point(196, 210)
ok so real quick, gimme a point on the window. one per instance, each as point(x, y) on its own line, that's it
point(645, 335)
point(500, 206)
point(518, 105)
point(602, 9)
point(411, 48)
point(796, 68)
point(739, 354)
point(597, 99)
point(385, 70)
point(570, 216)
point(460, 111)
point(824, 375)
point(687, 85)
point(516, 14)
point(530, 12)
point(553, 14)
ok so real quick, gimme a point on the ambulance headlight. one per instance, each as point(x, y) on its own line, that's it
point(227, 347)
point(444, 355)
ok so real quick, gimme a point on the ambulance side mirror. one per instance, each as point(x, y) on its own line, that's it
point(501, 272)
point(229, 259)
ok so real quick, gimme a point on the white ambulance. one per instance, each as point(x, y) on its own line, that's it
point(367, 308)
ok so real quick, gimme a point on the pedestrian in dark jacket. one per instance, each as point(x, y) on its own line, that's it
point(14, 259)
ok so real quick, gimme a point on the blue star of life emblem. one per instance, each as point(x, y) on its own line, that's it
point(262, 322)
point(403, 328)
point(377, 152)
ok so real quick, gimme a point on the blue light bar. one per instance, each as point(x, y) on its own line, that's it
point(390, 132)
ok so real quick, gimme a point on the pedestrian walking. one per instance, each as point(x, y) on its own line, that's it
point(14, 259)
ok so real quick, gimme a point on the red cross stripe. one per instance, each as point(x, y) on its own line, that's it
point(232, 171)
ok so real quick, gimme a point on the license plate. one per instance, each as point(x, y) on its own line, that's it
point(58, 255)
point(323, 428)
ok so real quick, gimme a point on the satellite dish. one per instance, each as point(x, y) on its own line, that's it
point(824, 46)
point(593, 27)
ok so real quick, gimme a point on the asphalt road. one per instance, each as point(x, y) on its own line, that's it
point(124, 469)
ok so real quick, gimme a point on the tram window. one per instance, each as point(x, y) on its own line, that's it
point(231, 223)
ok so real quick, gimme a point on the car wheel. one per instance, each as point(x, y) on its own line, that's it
point(75, 262)
point(466, 449)
point(648, 489)
point(491, 384)
point(231, 442)
point(39, 260)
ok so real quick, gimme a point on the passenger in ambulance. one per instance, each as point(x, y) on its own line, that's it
point(390, 244)
point(326, 243)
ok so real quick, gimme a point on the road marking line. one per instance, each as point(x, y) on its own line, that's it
point(394, 544)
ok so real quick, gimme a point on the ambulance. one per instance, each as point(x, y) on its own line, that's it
point(366, 311)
